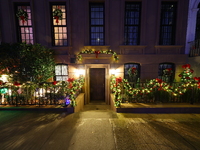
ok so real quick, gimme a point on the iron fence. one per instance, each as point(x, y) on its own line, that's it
point(195, 48)
point(40, 94)
point(178, 93)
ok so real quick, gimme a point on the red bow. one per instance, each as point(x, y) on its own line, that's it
point(16, 83)
point(97, 53)
point(56, 17)
point(169, 69)
point(133, 70)
point(118, 80)
point(70, 80)
point(159, 81)
point(54, 82)
point(22, 18)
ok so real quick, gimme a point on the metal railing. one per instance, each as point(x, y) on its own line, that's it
point(195, 48)
point(37, 95)
point(191, 95)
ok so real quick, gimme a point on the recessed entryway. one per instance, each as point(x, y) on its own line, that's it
point(97, 83)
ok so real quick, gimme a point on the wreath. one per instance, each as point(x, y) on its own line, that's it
point(132, 72)
point(167, 72)
point(57, 14)
point(22, 15)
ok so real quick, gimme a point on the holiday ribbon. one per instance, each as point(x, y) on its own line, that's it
point(56, 17)
point(70, 79)
point(97, 53)
point(22, 18)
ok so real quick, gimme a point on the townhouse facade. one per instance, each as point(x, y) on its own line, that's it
point(148, 35)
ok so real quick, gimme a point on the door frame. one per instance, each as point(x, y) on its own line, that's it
point(87, 81)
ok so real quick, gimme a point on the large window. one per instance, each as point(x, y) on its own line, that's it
point(61, 72)
point(132, 23)
point(24, 23)
point(166, 72)
point(97, 35)
point(168, 23)
point(132, 72)
point(59, 24)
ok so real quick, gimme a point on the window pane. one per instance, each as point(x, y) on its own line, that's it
point(25, 27)
point(64, 70)
point(60, 29)
point(97, 24)
point(132, 23)
point(167, 23)
point(61, 72)
point(58, 70)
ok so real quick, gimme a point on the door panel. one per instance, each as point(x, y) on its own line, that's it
point(97, 84)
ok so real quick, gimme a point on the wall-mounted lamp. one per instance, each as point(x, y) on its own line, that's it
point(80, 72)
point(113, 71)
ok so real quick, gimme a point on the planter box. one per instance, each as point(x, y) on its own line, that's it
point(80, 104)
point(161, 109)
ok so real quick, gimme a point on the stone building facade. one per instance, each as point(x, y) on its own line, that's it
point(151, 35)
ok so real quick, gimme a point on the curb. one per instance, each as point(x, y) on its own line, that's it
point(160, 110)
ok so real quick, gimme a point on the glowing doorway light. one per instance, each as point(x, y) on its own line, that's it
point(4, 78)
point(80, 72)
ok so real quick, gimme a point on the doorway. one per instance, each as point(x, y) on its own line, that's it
point(97, 84)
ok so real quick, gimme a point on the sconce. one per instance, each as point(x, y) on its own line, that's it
point(113, 71)
point(80, 72)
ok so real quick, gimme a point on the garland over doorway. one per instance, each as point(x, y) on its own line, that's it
point(96, 52)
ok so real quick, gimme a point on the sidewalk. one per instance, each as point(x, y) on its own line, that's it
point(124, 108)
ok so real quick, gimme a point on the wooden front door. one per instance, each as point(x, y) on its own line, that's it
point(97, 84)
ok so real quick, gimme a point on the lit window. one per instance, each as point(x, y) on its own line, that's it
point(97, 24)
point(168, 23)
point(24, 27)
point(132, 72)
point(166, 72)
point(59, 25)
point(132, 23)
point(61, 72)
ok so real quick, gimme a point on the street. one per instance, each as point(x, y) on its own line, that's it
point(98, 130)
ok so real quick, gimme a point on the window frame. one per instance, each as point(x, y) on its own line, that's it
point(95, 26)
point(20, 27)
point(172, 36)
point(53, 38)
point(61, 75)
point(130, 65)
point(127, 37)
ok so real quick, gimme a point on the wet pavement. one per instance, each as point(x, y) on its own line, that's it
point(98, 128)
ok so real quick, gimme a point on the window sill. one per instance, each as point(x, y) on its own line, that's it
point(168, 49)
point(168, 46)
point(132, 46)
point(99, 47)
